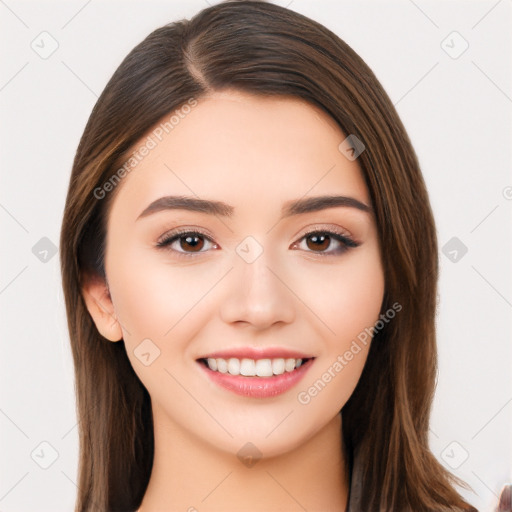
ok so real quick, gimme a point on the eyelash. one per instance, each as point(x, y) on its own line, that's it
point(346, 241)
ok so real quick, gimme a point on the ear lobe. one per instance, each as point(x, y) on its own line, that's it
point(101, 308)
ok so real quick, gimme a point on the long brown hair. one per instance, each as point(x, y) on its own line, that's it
point(263, 49)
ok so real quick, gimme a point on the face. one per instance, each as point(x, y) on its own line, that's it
point(255, 277)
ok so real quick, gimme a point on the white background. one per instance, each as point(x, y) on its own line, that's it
point(458, 114)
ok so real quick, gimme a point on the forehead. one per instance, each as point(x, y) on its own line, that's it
point(241, 148)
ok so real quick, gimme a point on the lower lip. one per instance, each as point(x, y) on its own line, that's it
point(258, 387)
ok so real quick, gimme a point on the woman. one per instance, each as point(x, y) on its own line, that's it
point(246, 214)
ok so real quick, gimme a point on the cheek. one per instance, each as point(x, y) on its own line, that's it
point(349, 304)
point(345, 297)
point(150, 296)
point(160, 300)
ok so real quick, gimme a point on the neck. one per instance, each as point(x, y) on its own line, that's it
point(188, 475)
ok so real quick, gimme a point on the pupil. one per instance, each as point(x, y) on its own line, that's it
point(321, 241)
point(192, 241)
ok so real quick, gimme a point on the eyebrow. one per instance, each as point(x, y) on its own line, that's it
point(290, 208)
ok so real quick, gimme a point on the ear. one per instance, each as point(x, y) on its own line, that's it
point(101, 308)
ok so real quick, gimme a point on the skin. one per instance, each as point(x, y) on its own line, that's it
point(254, 154)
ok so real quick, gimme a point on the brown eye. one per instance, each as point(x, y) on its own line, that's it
point(318, 242)
point(326, 243)
point(194, 242)
point(186, 243)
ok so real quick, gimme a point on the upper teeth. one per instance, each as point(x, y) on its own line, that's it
point(252, 367)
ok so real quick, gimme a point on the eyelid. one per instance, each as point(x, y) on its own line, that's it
point(171, 233)
point(313, 228)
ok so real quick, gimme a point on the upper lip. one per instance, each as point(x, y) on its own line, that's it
point(257, 353)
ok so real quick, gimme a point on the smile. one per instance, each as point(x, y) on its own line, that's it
point(256, 378)
point(254, 367)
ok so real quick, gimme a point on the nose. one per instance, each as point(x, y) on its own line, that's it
point(257, 294)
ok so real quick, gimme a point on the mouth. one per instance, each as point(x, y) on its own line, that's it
point(256, 378)
point(254, 367)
